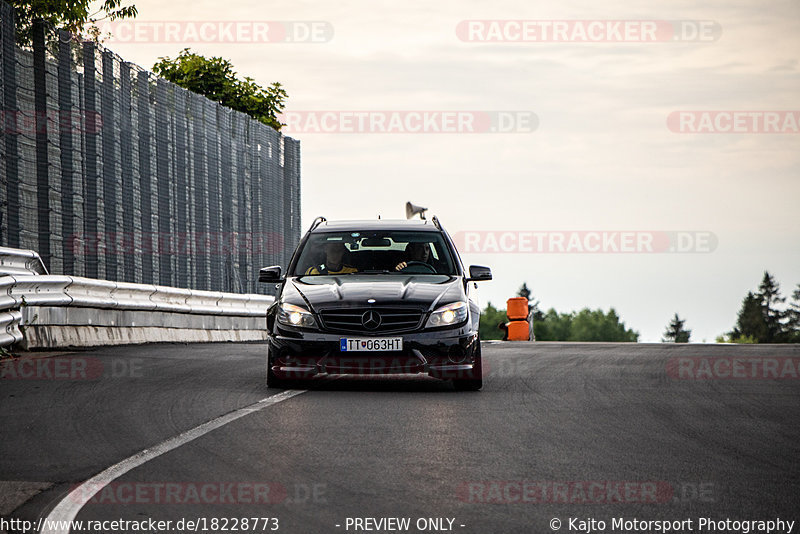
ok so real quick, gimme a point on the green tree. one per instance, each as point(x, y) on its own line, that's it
point(750, 321)
point(523, 291)
point(554, 326)
point(215, 79)
point(75, 16)
point(595, 325)
point(676, 333)
point(533, 304)
point(770, 296)
point(793, 314)
point(491, 318)
point(585, 325)
point(726, 338)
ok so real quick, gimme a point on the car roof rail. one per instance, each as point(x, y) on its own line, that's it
point(316, 222)
point(436, 222)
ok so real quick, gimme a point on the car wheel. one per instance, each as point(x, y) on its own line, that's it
point(272, 380)
point(475, 382)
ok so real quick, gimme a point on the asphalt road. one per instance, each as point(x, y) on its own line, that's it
point(559, 431)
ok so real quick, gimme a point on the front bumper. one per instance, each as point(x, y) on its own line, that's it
point(443, 354)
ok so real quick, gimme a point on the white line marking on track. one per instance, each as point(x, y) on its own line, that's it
point(57, 522)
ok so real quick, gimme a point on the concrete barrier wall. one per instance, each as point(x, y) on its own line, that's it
point(51, 327)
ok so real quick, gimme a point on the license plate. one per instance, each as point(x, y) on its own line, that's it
point(370, 344)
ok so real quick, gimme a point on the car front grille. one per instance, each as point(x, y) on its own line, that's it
point(351, 320)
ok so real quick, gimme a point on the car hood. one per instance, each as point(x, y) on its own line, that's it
point(353, 290)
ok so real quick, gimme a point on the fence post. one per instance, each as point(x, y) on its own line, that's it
point(291, 172)
point(126, 173)
point(181, 189)
point(246, 271)
point(90, 165)
point(278, 203)
point(40, 121)
point(143, 112)
point(163, 184)
point(213, 197)
point(10, 127)
point(110, 170)
point(262, 217)
point(66, 131)
point(226, 194)
point(199, 230)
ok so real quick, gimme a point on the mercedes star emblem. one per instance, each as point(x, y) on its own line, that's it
point(371, 319)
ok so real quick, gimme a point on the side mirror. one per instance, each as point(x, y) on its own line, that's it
point(478, 273)
point(270, 274)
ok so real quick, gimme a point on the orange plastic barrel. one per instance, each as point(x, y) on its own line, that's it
point(517, 308)
point(518, 330)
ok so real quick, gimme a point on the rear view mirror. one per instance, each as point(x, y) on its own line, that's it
point(270, 274)
point(478, 273)
point(376, 242)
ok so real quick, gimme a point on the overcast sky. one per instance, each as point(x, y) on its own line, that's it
point(602, 157)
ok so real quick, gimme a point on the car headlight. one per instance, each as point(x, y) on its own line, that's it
point(451, 314)
point(293, 315)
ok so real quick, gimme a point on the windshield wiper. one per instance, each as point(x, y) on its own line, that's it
point(327, 274)
point(375, 271)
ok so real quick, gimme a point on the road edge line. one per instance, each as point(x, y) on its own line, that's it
point(67, 509)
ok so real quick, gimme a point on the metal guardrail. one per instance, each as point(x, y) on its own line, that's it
point(9, 327)
point(54, 290)
point(18, 261)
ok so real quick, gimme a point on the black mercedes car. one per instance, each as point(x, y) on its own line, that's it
point(373, 298)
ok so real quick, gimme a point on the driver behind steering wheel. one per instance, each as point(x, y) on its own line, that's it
point(419, 252)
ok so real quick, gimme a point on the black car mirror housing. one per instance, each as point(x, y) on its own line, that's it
point(479, 273)
point(270, 274)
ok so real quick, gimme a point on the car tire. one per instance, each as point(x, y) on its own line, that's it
point(272, 380)
point(476, 381)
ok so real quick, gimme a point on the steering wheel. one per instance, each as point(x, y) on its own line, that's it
point(414, 263)
point(321, 268)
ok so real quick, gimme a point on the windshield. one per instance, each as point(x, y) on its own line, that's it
point(375, 252)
